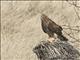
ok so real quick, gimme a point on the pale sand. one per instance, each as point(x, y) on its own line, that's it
point(21, 26)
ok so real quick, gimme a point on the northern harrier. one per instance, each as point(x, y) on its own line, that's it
point(51, 28)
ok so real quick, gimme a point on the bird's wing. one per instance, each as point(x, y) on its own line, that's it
point(53, 27)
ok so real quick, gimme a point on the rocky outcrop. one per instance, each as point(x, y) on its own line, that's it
point(57, 50)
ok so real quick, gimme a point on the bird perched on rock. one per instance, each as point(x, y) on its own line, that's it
point(51, 28)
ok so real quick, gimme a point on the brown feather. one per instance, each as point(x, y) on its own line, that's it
point(50, 27)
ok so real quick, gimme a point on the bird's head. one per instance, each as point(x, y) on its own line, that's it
point(44, 18)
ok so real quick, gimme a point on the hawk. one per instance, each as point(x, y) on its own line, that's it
point(51, 28)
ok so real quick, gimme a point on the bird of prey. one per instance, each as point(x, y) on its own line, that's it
point(51, 28)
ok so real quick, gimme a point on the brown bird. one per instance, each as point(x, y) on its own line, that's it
point(51, 28)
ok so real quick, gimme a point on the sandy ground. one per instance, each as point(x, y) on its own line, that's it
point(21, 26)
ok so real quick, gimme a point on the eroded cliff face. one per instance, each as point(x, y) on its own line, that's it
point(21, 26)
point(56, 50)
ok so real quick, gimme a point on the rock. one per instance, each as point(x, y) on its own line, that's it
point(57, 50)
